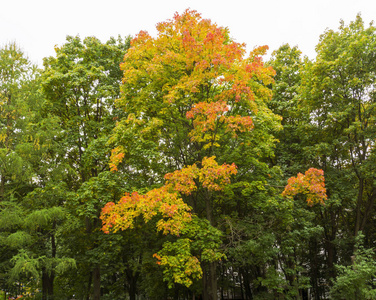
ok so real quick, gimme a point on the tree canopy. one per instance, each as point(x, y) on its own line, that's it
point(181, 167)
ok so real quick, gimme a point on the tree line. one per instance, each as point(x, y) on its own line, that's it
point(178, 167)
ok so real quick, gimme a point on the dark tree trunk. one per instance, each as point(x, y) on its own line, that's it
point(132, 292)
point(314, 266)
point(368, 209)
point(132, 281)
point(97, 283)
point(210, 281)
point(210, 269)
point(48, 276)
point(358, 206)
point(2, 187)
point(47, 284)
point(89, 286)
point(246, 284)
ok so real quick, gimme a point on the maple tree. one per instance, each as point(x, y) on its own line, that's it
point(312, 184)
point(193, 75)
point(187, 94)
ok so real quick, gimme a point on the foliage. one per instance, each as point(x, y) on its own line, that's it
point(187, 94)
point(338, 91)
point(174, 217)
point(356, 281)
point(311, 183)
point(179, 147)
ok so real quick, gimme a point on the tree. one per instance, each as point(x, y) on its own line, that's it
point(80, 85)
point(308, 238)
point(18, 94)
point(339, 90)
point(189, 97)
point(333, 131)
point(20, 100)
point(355, 281)
point(286, 102)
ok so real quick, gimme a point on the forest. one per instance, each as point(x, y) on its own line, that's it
point(181, 167)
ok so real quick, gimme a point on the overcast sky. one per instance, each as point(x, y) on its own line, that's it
point(38, 25)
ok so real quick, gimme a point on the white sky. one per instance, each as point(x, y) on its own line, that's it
point(38, 25)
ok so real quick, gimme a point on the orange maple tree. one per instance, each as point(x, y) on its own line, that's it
point(311, 184)
point(186, 91)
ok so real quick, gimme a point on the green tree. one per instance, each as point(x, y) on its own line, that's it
point(335, 130)
point(286, 102)
point(356, 281)
point(80, 85)
point(339, 92)
point(18, 95)
point(20, 99)
point(300, 240)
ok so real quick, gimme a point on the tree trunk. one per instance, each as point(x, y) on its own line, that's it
point(358, 207)
point(314, 267)
point(48, 277)
point(210, 274)
point(246, 284)
point(89, 286)
point(2, 187)
point(368, 209)
point(47, 284)
point(132, 283)
point(97, 283)
point(132, 292)
point(210, 281)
